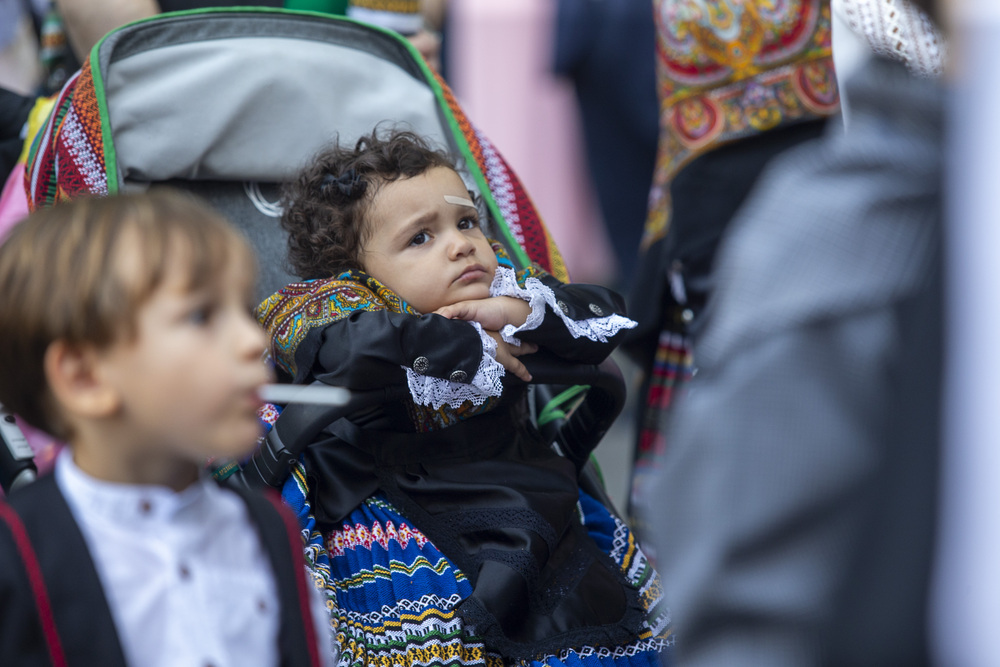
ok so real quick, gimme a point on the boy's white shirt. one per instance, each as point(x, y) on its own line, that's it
point(185, 574)
point(435, 392)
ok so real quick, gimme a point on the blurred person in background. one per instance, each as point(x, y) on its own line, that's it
point(739, 82)
point(966, 601)
point(86, 21)
point(796, 507)
point(20, 74)
point(607, 49)
point(19, 67)
point(14, 109)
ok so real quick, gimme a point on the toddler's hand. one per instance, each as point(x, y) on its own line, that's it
point(493, 313)
point(507, 355)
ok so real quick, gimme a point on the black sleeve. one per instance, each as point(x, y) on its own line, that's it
point(366, 349)
point(578, 302)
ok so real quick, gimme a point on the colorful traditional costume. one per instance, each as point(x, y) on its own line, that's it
point(739, 82)
point(446, 530)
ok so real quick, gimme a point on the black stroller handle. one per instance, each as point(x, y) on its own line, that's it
point(299, 424)
point(578, 435)
point(17, 465)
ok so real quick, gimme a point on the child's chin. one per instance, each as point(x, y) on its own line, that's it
point(476, 291)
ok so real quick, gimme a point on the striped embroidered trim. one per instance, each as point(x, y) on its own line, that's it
point(364, 537)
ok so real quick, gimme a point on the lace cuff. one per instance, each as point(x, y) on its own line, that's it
point(505, 284)
point(435, 392)
point(538, 295)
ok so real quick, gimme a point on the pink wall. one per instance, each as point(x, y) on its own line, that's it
point(499, 68)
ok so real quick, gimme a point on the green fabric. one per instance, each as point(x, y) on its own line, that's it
point(559, 406)
point(325, 6)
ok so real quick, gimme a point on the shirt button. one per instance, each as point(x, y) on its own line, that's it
point(563, 307)
point(184, 572)
point(421, 364)
point(459, 376)
point(595, 309)
point(145, 507)
point(261, 606)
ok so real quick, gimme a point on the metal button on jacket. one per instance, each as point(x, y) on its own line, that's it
point(459, 376)
point(596, 310)
point(421, 364)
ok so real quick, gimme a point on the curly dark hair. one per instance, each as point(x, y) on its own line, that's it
point(327, 204)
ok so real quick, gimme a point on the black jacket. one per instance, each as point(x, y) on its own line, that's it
point(53, 610)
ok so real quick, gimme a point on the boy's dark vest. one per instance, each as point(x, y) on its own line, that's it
point(53, 610)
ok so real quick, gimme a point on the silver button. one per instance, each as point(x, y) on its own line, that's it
point(687, 315)
point(563, 307)
point(596, 310)
point(459, 376)
point(420, 364)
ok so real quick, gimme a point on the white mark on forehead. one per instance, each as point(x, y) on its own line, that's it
point(459, 201)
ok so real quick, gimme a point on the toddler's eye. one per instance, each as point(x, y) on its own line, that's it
point(468, 223)
point(420, 239)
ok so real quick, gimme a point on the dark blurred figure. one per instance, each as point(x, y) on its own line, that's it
point(14, 109)
point(795, 510)
point(86, 21)
point(607, 49)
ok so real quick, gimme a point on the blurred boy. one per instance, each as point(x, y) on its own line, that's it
point(125, 331)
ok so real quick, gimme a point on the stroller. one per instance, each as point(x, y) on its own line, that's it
point(189, 100)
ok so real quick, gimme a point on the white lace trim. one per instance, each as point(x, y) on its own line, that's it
point(537, 294)
point(899, 30)
point(505, 284)
point(435, 392)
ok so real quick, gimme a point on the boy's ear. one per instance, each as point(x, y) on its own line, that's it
point(75, 379)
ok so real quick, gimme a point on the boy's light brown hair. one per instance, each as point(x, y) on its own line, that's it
point(79, 273)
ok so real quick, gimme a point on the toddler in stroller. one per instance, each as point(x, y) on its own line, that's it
point(444, 527)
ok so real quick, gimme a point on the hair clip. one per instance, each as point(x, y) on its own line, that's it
point(350, 185)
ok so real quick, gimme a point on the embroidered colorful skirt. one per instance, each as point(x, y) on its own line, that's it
point(392, 594)
point(672, 370)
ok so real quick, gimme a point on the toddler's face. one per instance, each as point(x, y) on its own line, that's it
point(189, 380)
point(426, 244)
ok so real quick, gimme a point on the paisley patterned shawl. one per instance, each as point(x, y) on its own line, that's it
point(293, 312)
point(728, 69)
